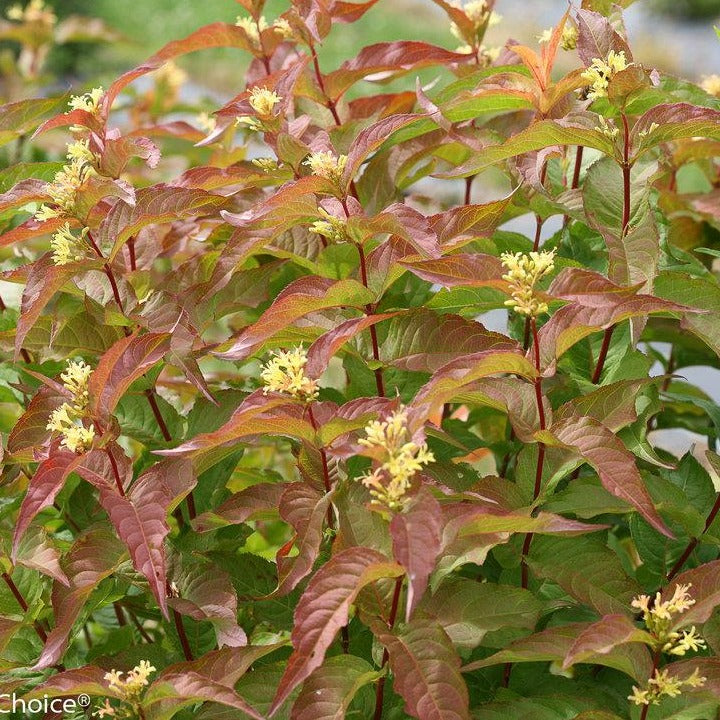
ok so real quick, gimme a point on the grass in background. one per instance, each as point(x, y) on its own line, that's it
point(151, 24)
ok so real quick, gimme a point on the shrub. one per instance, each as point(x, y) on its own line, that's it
point(263, 454)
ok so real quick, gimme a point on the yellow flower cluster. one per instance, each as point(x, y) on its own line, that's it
point(285, 373)
point(262, 101)
point(485, 54)
point(327, 165)
point(68, 418)
point(70, 179)
point(330, 227)
point(601, 72)
point(479, 14)
point(65, 186)
point(659, 617)
point(568, 40)
point(130, 689)
point(525, 270)
point(81, 152)
point(400, 458)
point(252, 29)
point(207, 122)
point(711, 85)
point(34, 12)
point(170, 76)
point(266, 164)
point(608, 131)
point(89, 101)
point(136, 679)
point(283, 27)
point(67, 247)
point(661, 684)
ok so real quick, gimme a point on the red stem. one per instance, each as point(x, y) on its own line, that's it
point(468, 188)
point(626, 168)
point(116, 472)
point(538, 230)
point(23, 352)
point(321, 84)
point(694, 542)
point(108, 272)
point(131, 251)
point(158, 415)
point(326, 470)
point(149, 393)
point(119, 614)
point(264, 58)
point(187, 652)
point(380, 692)
point(541, 449)
point(23, 604)
point(379, 380)
point(603, 354)
point(576, 176)
point(140, 628)
point(656, 662)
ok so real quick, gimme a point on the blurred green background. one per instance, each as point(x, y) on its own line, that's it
point(675, 35)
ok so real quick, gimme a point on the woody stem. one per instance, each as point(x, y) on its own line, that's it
point(694, 542)
point(656, 662)
point(541, 447)
point(380, 691)
point(23, 604)
point(624, 228)
point(149, 393)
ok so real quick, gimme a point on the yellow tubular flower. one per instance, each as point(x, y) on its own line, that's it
point(609, 132)
point(401, 458)
point(569, 38)
point(263, 101)
point(545, 36)
point(66, 184)
point(524, 272)
point(75, 379)
point(283, 27)
point(171, 76)
point(77, 438)
point(659, 617)
point(661, 684)
point(711, 85)
point(479, 14)
point(327, 165)
point(89, 101)
point(601, 72)
point(67, 420)
point(251, 28)
point(66, 247)
point(131, 687)
point(285, 373)
point(330, 227)
point(266, 164)
point(207, 122)
point(80, 151)
point(35, 12)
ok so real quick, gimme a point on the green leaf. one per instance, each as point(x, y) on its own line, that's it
point(426, 671)
point(329, 691)
point(587, 570)
point(554, 644)
point(577, 130)
point(467, 610)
